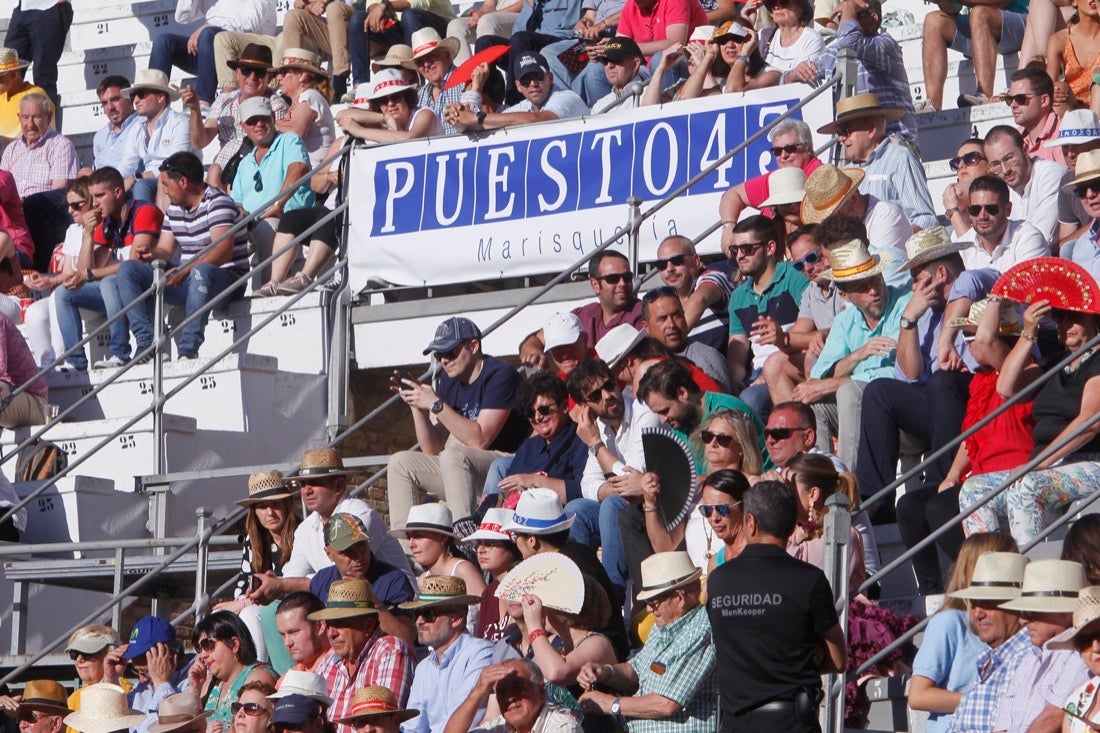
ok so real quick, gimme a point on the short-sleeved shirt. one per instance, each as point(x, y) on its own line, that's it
point(948, 657)
point(17, 364)
point(784, 58)
point(850, 332)
point(1058, 403)
point(384, 660)
point(192, 228)
point(591, 315)
point(226, 109)
point(562, 102)
point(820, 305)
point(138, 217)
point(981, 698)
point(286, 150)
point(12, 220)
point(713, 327)
point(389, 584)
point(768, 612)
point(779, 301)
point(494, 389)
point(757, 189)
point(645, 27)
point(425, 98)
point(321, 131)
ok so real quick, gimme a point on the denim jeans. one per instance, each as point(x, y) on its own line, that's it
point(412, 20)
point(498, 469)
point(203, 283)
point(170, 49)
point(39, 35)
point(596, 525)
point(145, 189)
point(101, 296)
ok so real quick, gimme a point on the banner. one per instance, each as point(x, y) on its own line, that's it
point(533, 199)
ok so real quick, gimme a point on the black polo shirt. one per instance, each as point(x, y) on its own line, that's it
point(768, 612)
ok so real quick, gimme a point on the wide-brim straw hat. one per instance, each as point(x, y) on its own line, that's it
point(1087, 168)
point(666, 571)
point(431, 517)
point(347, 599)
point(321, 462)
point(1078, 127)
point(300, 59)
point(151, 79)
point(997, 576)
point(395, 57)
point(303, 682)
point(929, 245)
point(492, 526)
point(1086, 619)
point(10, 61)
point(441, 590)
point(786, 186)
point(46, 696)
point(426, 40)
point(852, 261)
point(370, 702)
point(266, 486)
point(859, 107)
point(103, 709)
point(551, 576)
point(1050, 586)
point(1009, 319)
point(827, 189)
point(177, 711)
point(618, 342)
point(539, 511)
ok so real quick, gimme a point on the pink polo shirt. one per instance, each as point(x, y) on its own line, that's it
point(1034, 147)
point(645, 27)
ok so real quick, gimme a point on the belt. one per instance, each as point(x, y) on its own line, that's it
point(775, 706)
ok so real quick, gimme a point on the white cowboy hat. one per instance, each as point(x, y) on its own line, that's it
point(387, 82)
point(997, 576)
point(1086, 614)
point(539, 512)
point(426, 40)
point(618, 342)
point(1078, 126)
point(492, 526)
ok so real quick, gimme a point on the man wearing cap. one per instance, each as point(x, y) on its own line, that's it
point(298, 714)
point(673, 678)
point(223, 121)
point(542, 101)
point(445, 677)
point(564, 339)
point(160, 665)
point(42, 707)
point(109, 143)
point(520, 691)
point(623, 63)
point(612, 281)
point(362, 653)
point(462, 428)
point(375, 709)
point(704, 291)
point(893, 171)
point(1085, 185)
point(999, 241)
point(774, 623)
point(665, 323)
point(161, 132)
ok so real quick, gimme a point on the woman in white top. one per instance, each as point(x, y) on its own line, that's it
point(794, 40)
point(391, 114)
point(307, 86)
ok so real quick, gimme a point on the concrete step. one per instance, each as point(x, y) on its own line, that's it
point(82, 509)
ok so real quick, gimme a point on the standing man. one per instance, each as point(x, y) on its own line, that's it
point(163, 132)
point(999, 242)
point(704, 292)
point(772, 616)
point(613, 283)
point(37, 31)
point(110, 141)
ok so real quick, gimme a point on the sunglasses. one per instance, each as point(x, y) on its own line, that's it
point(32, 716)
point(259, 181)
point(207, 644)
point(543, 410)
point(723, 510)
point(811, 258)
point(75, 655)
point(1019, 100)
point(76, 205)
point(452, 354)
point(597, 394)
point(787, 150)
point(251, 709)
point(723, 441)
point(615, 278)
point(531, 80)
point(991, 209)
point(674, 260)
point(967, 159)
point(431, 614)
point(780, 433)
point(141, 93)
point(1085, 189)
point(652, 603)
point(247, 72)
point(745, 249)
point(778, 3)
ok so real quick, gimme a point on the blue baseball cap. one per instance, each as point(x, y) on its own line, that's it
point(451, 333)
point(295, 710)
point(147, 633)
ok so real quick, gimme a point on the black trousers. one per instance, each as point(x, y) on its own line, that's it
point(767, 721)
point(919, 512)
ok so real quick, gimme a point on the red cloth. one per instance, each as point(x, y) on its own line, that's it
point(1003, 444)
point(11, 215)
point(757, 191)
point(138, 217)
point(645, 27)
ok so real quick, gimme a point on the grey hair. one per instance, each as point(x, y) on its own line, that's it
point(532, 670)
point(798, 127)
point(47, 105)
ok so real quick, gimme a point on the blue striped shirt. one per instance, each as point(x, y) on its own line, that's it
point(895, 174)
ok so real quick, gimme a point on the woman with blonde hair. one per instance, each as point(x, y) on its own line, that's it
point(814, 479)
point(97, 655)
point(307, 86)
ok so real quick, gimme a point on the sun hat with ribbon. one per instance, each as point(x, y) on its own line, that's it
point(321, 462)
point(430, 517)
point(178, 711)
point(300, 59)
point(618, 342)
point(347, 599)
point(10, 61)
point(1078, 126)
point(151, 79)
point(827, 188)
point(266, 486)
point(785, 186)
point(303, 682)
point(373, 701)
point(666, 571)
point(539, 511)
point(1086, 619)
point(253, 56)
point(426, 40)
point(395, 57)
point(928, 245)
point(1009, 319)
point(103, 709)
point(997, 576)
point(439, 591)
point(387, 82)
point(45, 696)
point(852, 261)
point(1087, 168)
point(1050, 586)
point(860, 107)
point(492, 526)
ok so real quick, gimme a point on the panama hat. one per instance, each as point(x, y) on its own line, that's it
point(1086, 619)
point(387, 82)
point(852, 261)
point(539, 512)
point(431, 517)
point(1050, 586)
point(10, 61)
point(93, 640)
point(373, 701)
point(827, 189)
point(103, 709)
point(441, 590)
point(859, 107)
point(395, 57)
point(321, 462)
point(301, 59)
point(151, 79)
point(303, 682)
point(347, 599)
point(1009, 318)
point(426, 40)
point(253, 56)
point(177, 711)
point(1087, 168)
point(551, 576)
point(266, 486)
point(928, 245)
point(45, 696)
point(665, 571)
point(997, 576)
point(785, 186)
point(492, 526)
point(1078, 126)
point(618, 342)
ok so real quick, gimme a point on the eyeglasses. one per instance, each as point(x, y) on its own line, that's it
point(543, 410)
point(787, 150)
point(968, 159)
point(653, 603)
point(674, 260)
point(207, 644)
point(75, 655)
point(76, 205)
point(391, 99)
point(615, 278)
point(778, 3)
point(452, 354)
point(1020, 100)
point(745, 249)
point(32, 716)
point(780, 433)
point(723, 441)
point(259, 181)
point(248, 71)
point(531, 80)
point(811, 258)
point(251, 709)
point(723, 510)
point(1009, 161)
point(1085, 189)
point(597, 394)
point(991, 209)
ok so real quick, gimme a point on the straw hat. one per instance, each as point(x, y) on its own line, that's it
point(347, 599)
point(441, 590)
point(370, 702)
point(303, 682)
point(997, 577)
point(395, 57)
point(103, 709)
point(321, 462)
point(551, 576)
point(618, 342)
point(10, 61)
point(301, 60)
point(827, 189)
point(1078, 126)
point(852, 261)
point(151, 79)
point(45, 696)
point(928, 245)
point(665, 571)
point(492, 526)
point(859, 107)
point(1086, 169)
point(426, 40)
point(387, 82)
point(266, 486)
point(1050, 586)
point(178, 711)
point(1086, 615)
point(539, 512)
point(1009, 319)
point(431, 517)
point(785, 186)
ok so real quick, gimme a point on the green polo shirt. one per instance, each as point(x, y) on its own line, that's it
point(779, 300)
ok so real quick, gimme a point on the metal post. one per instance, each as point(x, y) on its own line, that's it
point(634, 217)
point(837, 536)
point(158, 366)
point(120, 563)
point(19, 618)
point(339, 359)
point(847, 65)
point(202, 559)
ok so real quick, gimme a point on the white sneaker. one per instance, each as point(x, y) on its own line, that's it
point(109, 362)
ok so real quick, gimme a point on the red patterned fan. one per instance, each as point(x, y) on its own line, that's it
point(1067, 285)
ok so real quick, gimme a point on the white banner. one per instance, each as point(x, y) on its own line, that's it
point(535, 198)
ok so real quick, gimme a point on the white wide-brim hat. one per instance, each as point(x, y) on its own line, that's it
point(431, 517)
point(151, 79)
point(665, 571)
point(303, 682)
point(786, 186)
point(1078, 126)
point(618, 342)
point(492, 526)
point(539, 512)
point(1050, 586)
point(103, 709)
point(997, 576)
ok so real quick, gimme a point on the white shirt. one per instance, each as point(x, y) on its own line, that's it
point(784, 58)
point(1021, 242)
point(601, 105)
point(552, 719)
point(1042, 197)
point(624, 443)
point(241, 16)
point(888, 228)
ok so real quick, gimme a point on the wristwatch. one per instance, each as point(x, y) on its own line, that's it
point(437, 407)
point(481, 118)
point(616, 706)
point(907, 324)
point(594, 449)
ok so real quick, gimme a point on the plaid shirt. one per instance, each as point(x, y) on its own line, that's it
point(36, 167)
point(425, 98)
point(226, 109)
point(385, 661)
point(677, 662)
point(1043, 677)
point(995, 670)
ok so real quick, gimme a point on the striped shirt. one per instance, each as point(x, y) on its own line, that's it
point(425, 98)
point(385, 661)
point(677, 662)
point(981, 699)
point(36, 167)
point(895, 174)
point(1042, 678)
point(713, 327)
point(192, 228)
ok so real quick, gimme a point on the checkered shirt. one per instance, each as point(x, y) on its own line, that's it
point(36, 167)
point(454, 94)
point(385, 661)
point(226, 109)
point(981, 699)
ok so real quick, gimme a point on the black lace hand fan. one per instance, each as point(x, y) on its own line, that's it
point(1067, 285)
point(667, 454)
